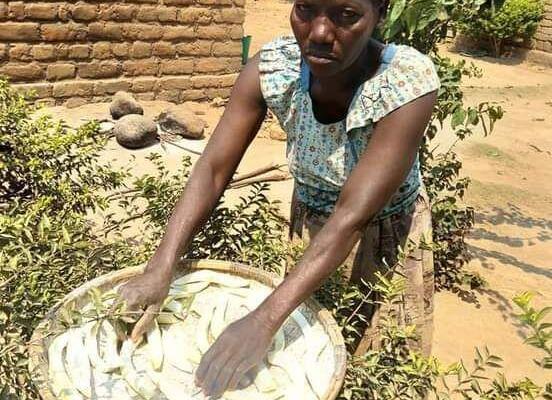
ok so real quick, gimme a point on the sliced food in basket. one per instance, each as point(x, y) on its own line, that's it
point(176, 349)
point(210, 276)
point(78, 363)
point(94, 361)
point(135, 372)
point(155, 346)
point(61, 384)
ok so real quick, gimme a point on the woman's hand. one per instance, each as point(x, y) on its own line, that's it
point(147, 291)
point(241, 346)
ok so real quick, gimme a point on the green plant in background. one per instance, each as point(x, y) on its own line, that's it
point(395, 371)
point(500, 22)
point(423, 24)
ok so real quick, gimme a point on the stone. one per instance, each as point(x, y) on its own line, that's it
point(135, 131)
point(124, 104)
point(182, 121)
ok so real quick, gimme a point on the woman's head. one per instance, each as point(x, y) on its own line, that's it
point(333, 34)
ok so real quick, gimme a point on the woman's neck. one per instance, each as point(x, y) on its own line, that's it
point(331, 97)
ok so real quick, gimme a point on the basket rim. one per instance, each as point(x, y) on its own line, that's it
point(38, 361)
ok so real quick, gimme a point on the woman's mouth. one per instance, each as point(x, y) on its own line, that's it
point(321, 59)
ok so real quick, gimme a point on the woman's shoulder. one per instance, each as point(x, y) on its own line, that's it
point(282, 46)
point(405, 75)
point(407, 58)
point(279, 71)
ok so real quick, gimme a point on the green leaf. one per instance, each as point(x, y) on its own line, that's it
point(458, 117)
point(397, 9)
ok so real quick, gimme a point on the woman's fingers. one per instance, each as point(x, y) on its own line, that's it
point(203, 367)
point(237, 375)
point(144, 322)
point(225, 375)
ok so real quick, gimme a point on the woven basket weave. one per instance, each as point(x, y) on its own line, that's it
point(40, 341)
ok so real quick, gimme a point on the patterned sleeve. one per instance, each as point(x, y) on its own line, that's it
point(411, 75)
point(280, 70)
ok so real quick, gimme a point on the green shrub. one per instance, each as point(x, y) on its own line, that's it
point(53, 180)
point(423, 24)
point(497, 24)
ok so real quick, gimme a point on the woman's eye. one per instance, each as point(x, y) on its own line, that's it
point(348, 14)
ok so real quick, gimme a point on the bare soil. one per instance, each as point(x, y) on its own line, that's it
point(511, 191)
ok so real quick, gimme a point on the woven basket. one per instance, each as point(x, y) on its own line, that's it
point(40, 341)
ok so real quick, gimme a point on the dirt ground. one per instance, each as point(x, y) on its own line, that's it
point(511, 191)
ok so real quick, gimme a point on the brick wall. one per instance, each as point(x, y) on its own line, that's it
point(543, 37)
point(75, 52)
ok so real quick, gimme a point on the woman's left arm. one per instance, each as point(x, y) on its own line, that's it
point(379, 173)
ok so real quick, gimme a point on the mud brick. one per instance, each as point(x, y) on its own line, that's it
point(73, 89)
point(117, 12)
point(20, 52)
point(111, 86)
point(42, 11)
point(233, 48)
point(43, 52)
point(85, 12)
point(105, 31)
point(39, 90)
point(140, 50)
point(79, 51)
point(192, 95)
point(178, 33)
point(63, 32)
point(142, 31)
point(192, 15)
point(195, 48)
point(230, 15)
point(19, 31)
point(16, 10)
point(213, 32)
point(103, 69)
point(4, 11)
point(142, 85)
point(22, 72)
point(177, 82)
point(141, 67)
point(163, 49)
point(211, 64)
point(177, 67)
point(58, 72)
point(120, 50)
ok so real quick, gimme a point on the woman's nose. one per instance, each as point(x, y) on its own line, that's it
point(322, 30)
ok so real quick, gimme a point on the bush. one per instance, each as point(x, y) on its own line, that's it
point(497, 24)
point(423, 24)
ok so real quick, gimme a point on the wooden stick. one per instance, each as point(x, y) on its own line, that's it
point(181, 147)
point(260, 179)
point(257, 172)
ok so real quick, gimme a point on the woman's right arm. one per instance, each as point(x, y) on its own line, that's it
point(236, 129)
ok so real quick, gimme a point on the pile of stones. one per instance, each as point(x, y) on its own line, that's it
point(133, 130)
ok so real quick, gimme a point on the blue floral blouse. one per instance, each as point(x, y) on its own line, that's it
point(322, 156)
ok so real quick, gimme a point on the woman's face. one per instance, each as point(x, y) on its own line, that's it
point(333, 33)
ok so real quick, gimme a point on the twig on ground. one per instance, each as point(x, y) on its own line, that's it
point(181, 147)
point(259, 179)
point(257, 172)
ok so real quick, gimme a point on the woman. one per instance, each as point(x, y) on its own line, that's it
point(355, 112)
